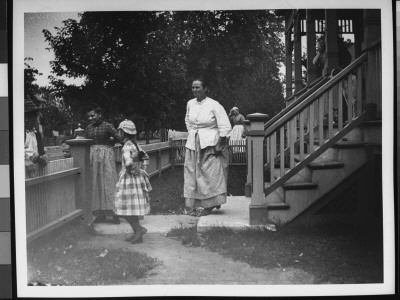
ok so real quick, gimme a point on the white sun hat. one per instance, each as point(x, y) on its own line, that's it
point(128, 127)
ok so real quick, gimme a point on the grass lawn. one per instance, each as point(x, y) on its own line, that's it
point(167, 194)
point(58, 259)
point(336, 254)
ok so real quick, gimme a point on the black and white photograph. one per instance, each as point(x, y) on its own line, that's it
point(186, 148)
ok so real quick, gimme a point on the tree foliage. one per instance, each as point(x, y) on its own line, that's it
point(55, 114)
point(140, 64)
point(30, 73)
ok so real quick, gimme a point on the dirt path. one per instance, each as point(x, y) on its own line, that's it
point(195, 265)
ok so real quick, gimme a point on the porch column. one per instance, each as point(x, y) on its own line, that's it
point(358, 33)
point(372, 31)
point(247, 188)
point(288, 62)
point(258, 206)
point(297, 54)
point(80, 151)
point(311, 69)
point(331, 39)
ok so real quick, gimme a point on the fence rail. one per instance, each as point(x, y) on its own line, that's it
point(237, 152)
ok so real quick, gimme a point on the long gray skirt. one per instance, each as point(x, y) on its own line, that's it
point(205, 177)
point(104, 178)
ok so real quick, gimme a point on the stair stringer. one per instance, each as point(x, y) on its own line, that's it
point(300, 200)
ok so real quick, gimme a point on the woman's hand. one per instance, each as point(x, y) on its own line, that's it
point(221, 145)
point(43, 160)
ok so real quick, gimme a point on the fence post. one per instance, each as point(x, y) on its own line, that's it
point(159, 163)
point(258, 206)
point(80, 151)
point(172, 153)
point(247, 188)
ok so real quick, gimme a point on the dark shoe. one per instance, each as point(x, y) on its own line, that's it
point(116, 220)
point(138, 236)
point(205, 212)
point(130, 239)
point(138, 240)
point(144, 229)
point(100, 219)
point(191, 212)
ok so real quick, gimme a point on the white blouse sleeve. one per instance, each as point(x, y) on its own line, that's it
point(187, 122)
point(224, 126)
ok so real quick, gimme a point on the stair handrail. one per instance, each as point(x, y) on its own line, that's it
point(311, 89)
point(313, 96)
point(356, 122)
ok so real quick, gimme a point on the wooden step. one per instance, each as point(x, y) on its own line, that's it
point(327, 164)
point(349, 144)
point(300, 185)
point(278, 206)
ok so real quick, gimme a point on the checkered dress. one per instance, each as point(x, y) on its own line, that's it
point(132, 192)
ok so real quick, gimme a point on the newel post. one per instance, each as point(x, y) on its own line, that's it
point(258, 206)
point(80, 151)
point(247, 188)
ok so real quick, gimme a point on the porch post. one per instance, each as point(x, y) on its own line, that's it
point(247, 188)
point(297, 54)
point(288, 61)
point(373, 94)
point(311, 69)
point(358, 33)
point(80, 151)
point(331, 39)
point(258, 206)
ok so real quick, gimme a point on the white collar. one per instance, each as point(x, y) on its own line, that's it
point(202, 101)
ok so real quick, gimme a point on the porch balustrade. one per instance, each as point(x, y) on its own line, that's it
point(312, 124)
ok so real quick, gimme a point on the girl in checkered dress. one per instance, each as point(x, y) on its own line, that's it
point(133, 186)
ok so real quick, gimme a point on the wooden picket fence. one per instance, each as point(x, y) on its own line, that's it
point(50, 197)
point(52, 191)
point(237, 152)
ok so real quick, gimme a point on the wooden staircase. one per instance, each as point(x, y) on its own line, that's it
point(313, 146)
point(315, 181)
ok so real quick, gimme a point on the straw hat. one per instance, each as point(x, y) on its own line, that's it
point(128, 127)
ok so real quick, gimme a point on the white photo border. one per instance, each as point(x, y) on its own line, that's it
point(25, 6)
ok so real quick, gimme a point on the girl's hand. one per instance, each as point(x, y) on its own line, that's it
point(136, 172)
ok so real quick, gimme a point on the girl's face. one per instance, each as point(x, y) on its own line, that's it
point(121, 133)
point(94, 117)
point(198, 90)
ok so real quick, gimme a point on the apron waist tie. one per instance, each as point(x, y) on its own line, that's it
point(197, 148)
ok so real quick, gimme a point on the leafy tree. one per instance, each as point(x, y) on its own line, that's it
point(55, 114)
point(240, 50)
point(140, 64)
point(30, 73)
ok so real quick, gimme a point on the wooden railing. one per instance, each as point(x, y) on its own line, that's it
point(306, 92)
point(303, 93)
point(159, 153)
point(51, 197)
point(237, 152)
point(297, 137)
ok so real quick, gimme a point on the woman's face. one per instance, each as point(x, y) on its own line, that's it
point(31, 120)
point(198, 90)
point(94, 117)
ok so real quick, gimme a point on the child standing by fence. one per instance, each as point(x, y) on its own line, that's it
point(133, 186)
